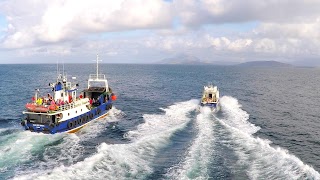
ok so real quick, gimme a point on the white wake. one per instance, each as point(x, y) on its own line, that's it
point(261, 160)
point(199, 154)
point(25, 147)
point(125, 161)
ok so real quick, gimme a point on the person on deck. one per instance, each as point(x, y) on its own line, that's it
point(90, 103)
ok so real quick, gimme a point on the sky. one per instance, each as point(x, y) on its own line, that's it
point(147, 31)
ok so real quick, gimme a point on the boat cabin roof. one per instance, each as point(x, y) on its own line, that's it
point(95, 89)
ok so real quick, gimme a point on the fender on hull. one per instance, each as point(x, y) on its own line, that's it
point(71, 125)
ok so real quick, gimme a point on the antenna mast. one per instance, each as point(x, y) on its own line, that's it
point(98, 65)
point(63, 69)
point(57, 70)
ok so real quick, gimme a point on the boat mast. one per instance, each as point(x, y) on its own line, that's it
point(63, 70)
point(97, 65)
point(57, 70)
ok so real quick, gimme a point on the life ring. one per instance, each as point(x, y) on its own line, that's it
point(84, 119)
point(70, 124)
point(91, 116)
point(80, 120)
point(109, 106)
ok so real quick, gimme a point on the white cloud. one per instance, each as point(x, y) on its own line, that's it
point(265, 45)
point(240, 44)
point(194, 13)
point(288, 29)
point(223, 44)
point(64, 20)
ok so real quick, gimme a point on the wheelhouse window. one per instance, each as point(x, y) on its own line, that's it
point(38, 118)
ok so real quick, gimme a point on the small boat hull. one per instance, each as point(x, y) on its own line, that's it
point(214, 106)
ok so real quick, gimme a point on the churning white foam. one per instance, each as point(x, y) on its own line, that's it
point(96, 127)
point(66, 152)
point(261, 160)
point(18, 148)
point(199, 154)
point(121, 161)
point(235, 116)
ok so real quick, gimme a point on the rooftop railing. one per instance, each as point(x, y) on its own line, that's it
point(94, 76)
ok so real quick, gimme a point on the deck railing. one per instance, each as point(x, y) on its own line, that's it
point(94, 76)
point(73, 104)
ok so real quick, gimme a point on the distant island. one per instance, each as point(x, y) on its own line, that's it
point(192, 60)
point(182, 59)
point(264, 64)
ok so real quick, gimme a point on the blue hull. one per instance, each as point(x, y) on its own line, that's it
point(72, 124)
point(215, 107)
point(212, 105)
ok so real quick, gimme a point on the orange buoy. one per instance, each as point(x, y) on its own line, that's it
point(113, 97)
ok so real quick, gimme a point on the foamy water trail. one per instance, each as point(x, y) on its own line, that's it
point(235, 116)
point(261, 160)
point(96, 127)
point(125, 161)
point(199, 154)
point(65, 150)
point(19, 147)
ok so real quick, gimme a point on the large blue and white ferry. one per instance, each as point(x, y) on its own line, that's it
point(210, 97)
point(66, 110)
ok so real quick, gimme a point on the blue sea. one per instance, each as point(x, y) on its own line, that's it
point(268, 126)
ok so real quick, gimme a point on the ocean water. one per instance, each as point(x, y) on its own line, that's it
point(267, 128)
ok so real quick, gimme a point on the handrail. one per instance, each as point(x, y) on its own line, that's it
point(94, 76)
point(73, 104)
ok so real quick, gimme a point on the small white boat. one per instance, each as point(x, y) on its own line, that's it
point(210, 97)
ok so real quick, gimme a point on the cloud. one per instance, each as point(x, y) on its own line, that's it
point(195, 13)
point(62, 20)
point(204, 28)
point(290, 30)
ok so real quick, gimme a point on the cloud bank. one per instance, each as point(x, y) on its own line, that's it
point(145, 31)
